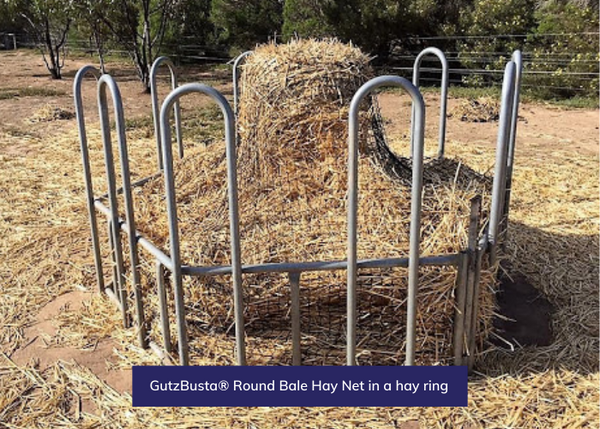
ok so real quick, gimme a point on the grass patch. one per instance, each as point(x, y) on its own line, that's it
point(203, 125)
point(576, 102)
point(527, 96)
point(29, 91)
point(139, 122)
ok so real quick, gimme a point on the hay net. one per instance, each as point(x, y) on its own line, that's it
point(292, 172)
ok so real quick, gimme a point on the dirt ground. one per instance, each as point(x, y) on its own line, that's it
point(46, 286)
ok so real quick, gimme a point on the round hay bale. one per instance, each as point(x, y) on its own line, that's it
point(292, 156)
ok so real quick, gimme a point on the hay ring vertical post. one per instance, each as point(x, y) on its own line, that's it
point(106, 81)
point(156, 107)
point(87, 172)
point(499, 185)
point(518, 60)
point(236, 265)
point(415, 210)
point(444, 96)
point(236, 79)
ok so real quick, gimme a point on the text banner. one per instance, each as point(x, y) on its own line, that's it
point(305, 386)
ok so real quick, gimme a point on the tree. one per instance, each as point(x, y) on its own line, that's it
point(564, 49)
point(191, 24)
point(243, 23)
point(371, 24)
point(490, 18)
point(139, 26)
point(89, 17)
point(306, 18)
point(49, 22)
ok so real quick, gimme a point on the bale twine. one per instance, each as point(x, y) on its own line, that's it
point(292, 157)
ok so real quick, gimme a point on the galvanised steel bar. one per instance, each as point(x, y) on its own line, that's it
point(162, 302)
point(236, 79)
point(236, 264)
point(156, 107)
point(459, 315)
point(473, 257)
point(87, 172)
point(109, 162)
point(105, 82)
point(475, 310)
point(295, 297)
point(415, 216)
point(142, 241)
point(444, 96)
point(135, 184)
point(518, 60)
point(111, 244)
point(290, 267)
point(499, 185)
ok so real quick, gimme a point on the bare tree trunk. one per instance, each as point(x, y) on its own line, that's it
point(144, 46)
point(54, 68)
point(99, 48)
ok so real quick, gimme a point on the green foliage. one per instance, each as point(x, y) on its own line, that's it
point(372, 25)
point(307, 18)
point(556, 54)
point(190, 24)
point(243, 23)
point(493, 18)
point(11, 19)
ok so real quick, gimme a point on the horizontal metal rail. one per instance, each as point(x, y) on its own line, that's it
point(137, 183)
point(141, 240)
point(300, 267)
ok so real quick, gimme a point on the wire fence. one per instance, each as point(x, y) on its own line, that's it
point(557, 73)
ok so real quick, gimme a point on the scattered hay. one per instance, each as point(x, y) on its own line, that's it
point(50, 113)
point(481, 109)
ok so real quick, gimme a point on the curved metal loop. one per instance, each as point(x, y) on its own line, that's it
point(156, 107)
point(517, 58)
point(504, 128)
point(444, 96)
point(415, 210)
point(106, 81)
point(236, 79)
point(87, 171)
point(236, 264)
